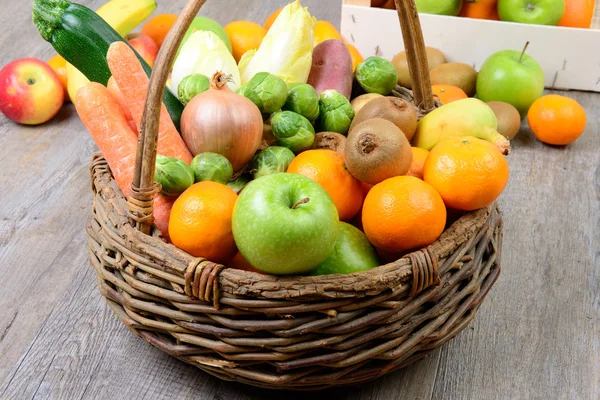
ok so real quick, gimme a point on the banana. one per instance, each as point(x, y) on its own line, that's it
point(123, 16)
point(467, 117)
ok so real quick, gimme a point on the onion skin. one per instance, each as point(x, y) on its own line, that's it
point(221, 121)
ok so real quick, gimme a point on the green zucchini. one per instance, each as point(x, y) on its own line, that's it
point(82, 38)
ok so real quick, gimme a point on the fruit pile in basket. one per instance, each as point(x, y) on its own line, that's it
point(567, 13)
point(280, 150)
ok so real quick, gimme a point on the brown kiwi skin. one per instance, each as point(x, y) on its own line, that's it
point(377, 150)
point(394, 109)
point(434, 58)
point(456, 74)
point(330, 140)
point(509, 119)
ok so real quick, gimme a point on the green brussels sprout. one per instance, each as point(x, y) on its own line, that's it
point(377, 75)
point(336, 112)
point(174, 175)
point(293, 131)
point(212, 167)
point(267, 91)
point(191, 86)
point(241, 90)
point(271, 160)
point(304, 100)
point(239, 183)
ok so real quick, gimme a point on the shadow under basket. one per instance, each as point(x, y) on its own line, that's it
point(299, 333)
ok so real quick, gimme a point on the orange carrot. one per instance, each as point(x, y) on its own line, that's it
point(133, 83)
point(162, 213)
point(104, 118)
point(115, 92)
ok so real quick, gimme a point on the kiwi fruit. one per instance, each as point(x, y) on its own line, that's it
point(394, 109)
point(456, 74)
point(359, 102)
point(330, 140)
point(434, 58)
point(376, 150)
point(509, 119)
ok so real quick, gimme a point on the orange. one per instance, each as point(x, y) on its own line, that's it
point(418, 161)
point(357, 58)
point(200, 221)
point(448, 93)
point(59, 65)
point(326, 167)
point(244, 36)
point(271, 18)
point(556, 119)
point(158, 26)
point(324, 30)
point(468, 173)
point(578, 13)
point(480, 9)
point(403, 213)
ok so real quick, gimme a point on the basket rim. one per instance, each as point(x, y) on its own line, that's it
point(174, 263)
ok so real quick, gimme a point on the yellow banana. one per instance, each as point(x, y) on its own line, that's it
point(123, 16)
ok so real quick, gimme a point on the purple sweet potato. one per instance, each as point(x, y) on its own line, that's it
point(331, 68)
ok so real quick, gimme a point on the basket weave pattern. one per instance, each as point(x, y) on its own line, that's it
point(301, 333)
point(297, 333)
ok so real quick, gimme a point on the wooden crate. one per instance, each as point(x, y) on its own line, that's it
point(569, 57)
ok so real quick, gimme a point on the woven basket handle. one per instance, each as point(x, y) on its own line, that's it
point(143, 186)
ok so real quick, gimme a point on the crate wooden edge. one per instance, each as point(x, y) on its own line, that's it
point(568, 56)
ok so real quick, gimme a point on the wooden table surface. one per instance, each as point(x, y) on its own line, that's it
point(537, 336)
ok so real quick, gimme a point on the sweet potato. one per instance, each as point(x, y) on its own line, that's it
point(331, 68)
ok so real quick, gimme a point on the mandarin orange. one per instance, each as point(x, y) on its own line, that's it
point(326, 167)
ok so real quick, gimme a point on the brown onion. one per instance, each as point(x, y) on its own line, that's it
point(221, 121)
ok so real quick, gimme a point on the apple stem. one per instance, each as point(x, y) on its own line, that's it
point(523, 52)
point(303, 201)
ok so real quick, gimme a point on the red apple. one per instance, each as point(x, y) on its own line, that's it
point(146, 47)
point(30, 91)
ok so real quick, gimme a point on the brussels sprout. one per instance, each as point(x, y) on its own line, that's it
point(271, 160)
point(304, 100)
point(336, 112)
point(241, 90)
point(192, 85)
point(212, 167)
point(293, 131)
point(239, 183)
point(377, 75)
point(267, 91)
point(174, 175)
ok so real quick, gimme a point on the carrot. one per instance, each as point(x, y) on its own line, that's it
point(133, 83)
point(115, 92)
point(162, 213)
point(106, 121)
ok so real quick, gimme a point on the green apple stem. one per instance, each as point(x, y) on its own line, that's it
point(523, 52)
point(303, 201)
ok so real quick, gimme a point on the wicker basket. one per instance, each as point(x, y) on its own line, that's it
point(301, 333)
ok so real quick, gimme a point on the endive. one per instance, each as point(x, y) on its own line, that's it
point(204, 53)
point(287, 49)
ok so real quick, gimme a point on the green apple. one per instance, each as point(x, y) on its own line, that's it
point(540, 12)
point(512, 77)
point(285, 224)
point(440, 7)
point(201, 23)
point(352, 253)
